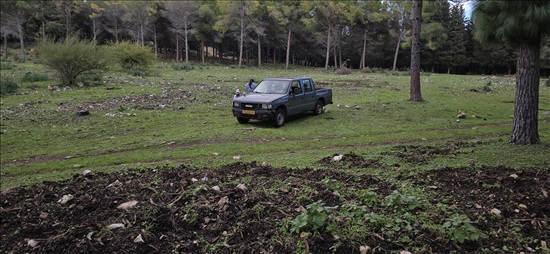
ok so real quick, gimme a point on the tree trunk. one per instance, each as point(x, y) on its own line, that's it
point(94, 31)
point(155, 40)
point(396, 53)
point(43, 29)
point(186, 45)
point(415, 94)
point(335, 57)
point(288, 47)
point(266, 55)
point(526, 106)
point(67, 27)
point(116, 31)
point(142, 33)
point(259, 52)
point(5, 47)
point(246, 56)
point(177, 48)
point(340, 56)
point(21, 39)
point(241, 42)
point(203, 51)
point(363, 63)
point(328, 48)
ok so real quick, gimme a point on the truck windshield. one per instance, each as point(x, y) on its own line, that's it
point(272, 87)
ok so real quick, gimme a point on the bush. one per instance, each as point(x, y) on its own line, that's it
point(34, 77)
point(72, 58)
point(140, 73)
point(487, 86)
point(8, 86)
point(183, 67)
point(6, 66)
point(343, 71)
point(131, 56)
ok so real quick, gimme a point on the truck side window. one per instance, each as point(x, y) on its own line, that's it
point(296, 89)
point(307, 86)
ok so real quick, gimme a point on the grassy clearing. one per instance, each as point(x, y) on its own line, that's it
point(412, 177)
point(183, 116)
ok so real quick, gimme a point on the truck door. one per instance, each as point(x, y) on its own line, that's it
point(310, 98)
point(296, 98)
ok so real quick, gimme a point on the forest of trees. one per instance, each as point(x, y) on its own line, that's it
point(353, 34)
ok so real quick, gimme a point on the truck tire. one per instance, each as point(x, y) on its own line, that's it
point(242, 120)
point(318, 108)
point(279, 118)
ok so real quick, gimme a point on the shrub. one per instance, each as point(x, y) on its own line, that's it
point(8, 86)
point(140, 73)
point(131, 56)
point(343, 71)
point(72, 58)
point(183, 67)
point(487, 87)
point(367, 70)
point(34, 77)
point(6, 66)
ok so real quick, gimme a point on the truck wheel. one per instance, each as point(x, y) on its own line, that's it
point(243, 120)
point(318, 108)
point(279, 118)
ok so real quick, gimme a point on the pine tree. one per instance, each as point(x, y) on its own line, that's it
point(522, 23)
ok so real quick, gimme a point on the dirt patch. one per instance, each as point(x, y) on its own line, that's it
point(172, 97)
point(419, 154)
point(498, 80)
point(175, 100)
point(253, 208)
point(506, 202)
point(350, 160)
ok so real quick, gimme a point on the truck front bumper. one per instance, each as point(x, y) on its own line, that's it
point(259, 114)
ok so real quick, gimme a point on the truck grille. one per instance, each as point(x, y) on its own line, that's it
point(249, 106)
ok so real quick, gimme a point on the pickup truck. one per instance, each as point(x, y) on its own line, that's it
point(274, 99)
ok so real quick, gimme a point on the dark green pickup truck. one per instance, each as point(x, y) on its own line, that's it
point(276, 98)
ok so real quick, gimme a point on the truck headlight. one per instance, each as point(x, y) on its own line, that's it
point(236, 104)
point(266, 106)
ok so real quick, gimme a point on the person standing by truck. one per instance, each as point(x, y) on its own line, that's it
point(249, 87)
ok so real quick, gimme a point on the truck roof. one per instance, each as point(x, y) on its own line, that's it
point(288, 78)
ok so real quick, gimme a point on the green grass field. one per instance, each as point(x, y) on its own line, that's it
point(184, 117)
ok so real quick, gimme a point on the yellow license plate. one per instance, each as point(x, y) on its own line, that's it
point(249, 112)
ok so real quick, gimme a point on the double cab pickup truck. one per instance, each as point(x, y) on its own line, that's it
point(274, 99)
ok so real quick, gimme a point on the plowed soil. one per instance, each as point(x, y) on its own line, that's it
point(249, 208)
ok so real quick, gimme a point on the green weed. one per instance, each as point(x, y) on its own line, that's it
point(460, 229)
point(401, 202)
point(313, 220)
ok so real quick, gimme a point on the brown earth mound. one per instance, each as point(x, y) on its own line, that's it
point(252, 208)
